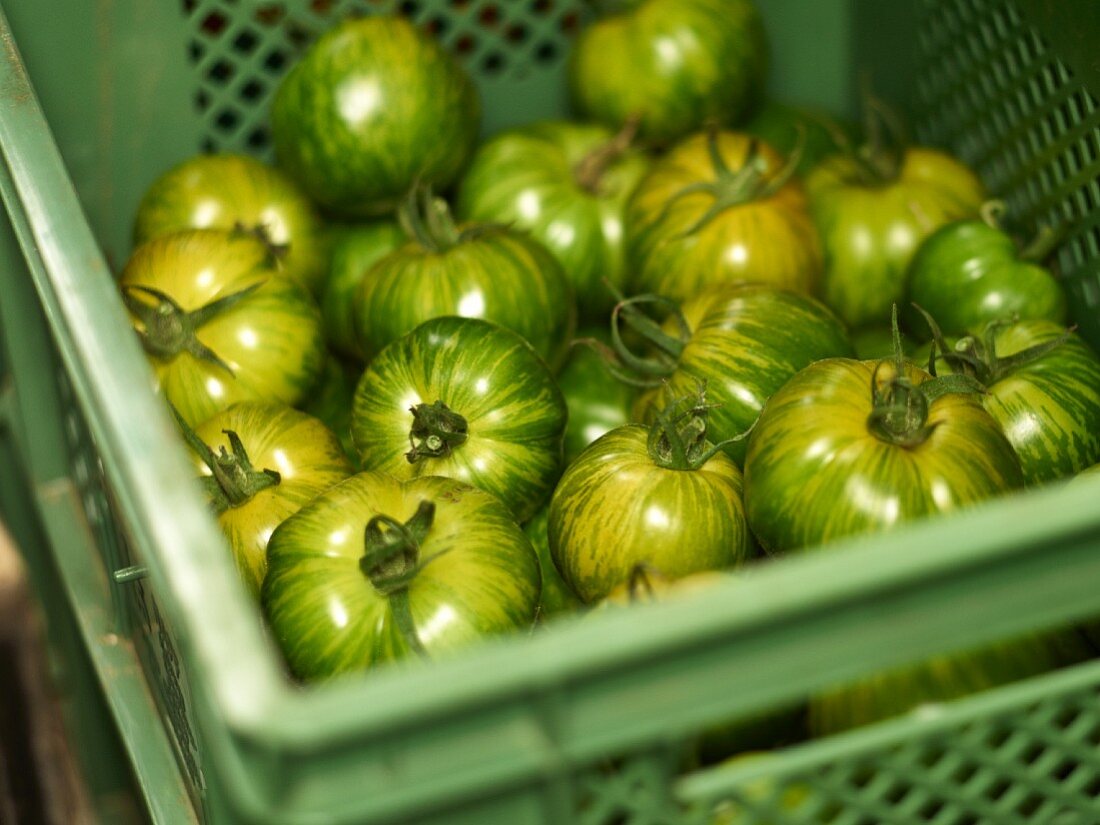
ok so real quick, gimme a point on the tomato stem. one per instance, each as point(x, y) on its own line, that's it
point(678, 438)
point(276, 252)
point(589, 172)
point(1046, 241)
point(233, 480)
point(436, 431)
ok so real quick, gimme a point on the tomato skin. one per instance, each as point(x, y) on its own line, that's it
point(500, 275)
point(331, 402)
point(555, 597)
point(371, 108)
point(778, 124)
point(614, 509)
point(815, 473)
point(227, 191)
point(677, 63)
point(271, 340)
point(870, 232)
point(304, 452)
point(769, 240)
point(482, 579)
point(968, 273)
point(597, 403)
point(485, 373)
point(1049, 408)
point(746, 342)
point(529, 178)
point(354, 250)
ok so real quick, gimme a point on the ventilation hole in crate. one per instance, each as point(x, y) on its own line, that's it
point(298, 35)
point(252, 91)
point(245, 42)
point(571, 23)
point(542, 7)
point(492, 63)
point(270, 15)
point(202, 100)
point(999, 788)
point(195, 51)
point(409, 8)
point(1032, 753)
point(257, 138)
point(213, 24)
point(460, 5)
point(437, 26)
point(465, 44)
point(207, 146)
point(221, 72)
point(489, 16)
point(546, 52)
point(321, 7)
point(275, 61)
point(227, 120)
point(930, 809)
point(516, 33)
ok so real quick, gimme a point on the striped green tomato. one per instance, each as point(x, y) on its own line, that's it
point(261, 462)
point(720, 208)
point(231, 191)
point(660, 497)
point(555, 597)
point(373, 107)
point(475, 271)
point(832, 457)
point(676, 63)
point(1044, 394)
point(744, 342)
point(465, 399)
point(220, 325)
point(567, 184)
point(354, 250)
point(872, 220)
point(377, 569)
point(596, 402)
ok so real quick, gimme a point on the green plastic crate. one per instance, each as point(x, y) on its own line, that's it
point(584, 722)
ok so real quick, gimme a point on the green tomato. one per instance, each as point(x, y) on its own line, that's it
point(968, 273)
point(784, 126)
point(1047, 401)
point(567, 184)
point(231, 191)
point(331, 401)
point(373, 107)
point(892, 692)
point(872, 223)
point(597, 403)
point(744, 342)
point(675, 63)
point(219, 323)
point(354, 250)
point(825, 461)
point(376, 570)
point(556, 597)
point(719, 209)
point(474, 271)
point(261, 463)
point(465, 399)
point(662, 498)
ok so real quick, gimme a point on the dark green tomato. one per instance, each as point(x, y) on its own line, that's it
point(942, 679)
point(677, 63)
point(556, 597)
point(354, 250)
point(870, 228)
point(331, 401)
point(373, 107)
point(567, 184)
point(615, 508)
point(597, 403)
point(494, 273)
point(968, 273)
point(816, 471)
point(228, 326)
point(779, 125)
point(745, 342)
point(231, 191)
point(470, 574)
point(303, 452)
point(502, 427)
point(693, 224)
point(1048, 407)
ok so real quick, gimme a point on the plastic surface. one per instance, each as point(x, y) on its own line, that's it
point(583, 722)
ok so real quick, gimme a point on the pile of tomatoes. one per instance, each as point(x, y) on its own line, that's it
point(437, 389)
